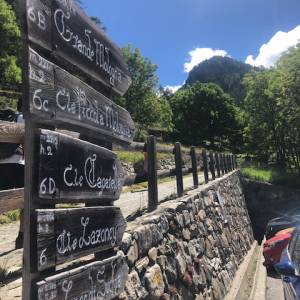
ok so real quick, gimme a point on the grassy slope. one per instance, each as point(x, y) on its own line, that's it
point(272, 175)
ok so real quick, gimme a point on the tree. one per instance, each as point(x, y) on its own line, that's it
point(204, 115)
point(223, 71)
point(261, 114)
point(272, 111)
point(142, 99)
point(10, 72)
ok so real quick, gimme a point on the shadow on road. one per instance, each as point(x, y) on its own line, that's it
point(271, 272)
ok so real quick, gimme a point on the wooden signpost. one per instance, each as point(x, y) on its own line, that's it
point(65, 234)
point(71, 170)
point(98, 280)
point(57, 36)
point(58, 98)
point(61, 27)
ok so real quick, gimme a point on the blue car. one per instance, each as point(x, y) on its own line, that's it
point(289, 267)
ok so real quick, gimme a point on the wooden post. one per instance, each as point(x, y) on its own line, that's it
point(152, 173)
point(212, 165)
point(232, 162)
point(221, 164)
point(225, 163)
point(194, 167)
point(178, 168)
point(235, 162)
point(217, 158)
point(30, 204)
point(205, 166)
point(228, 162)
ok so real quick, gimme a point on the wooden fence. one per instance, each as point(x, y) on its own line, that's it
point(215, 164)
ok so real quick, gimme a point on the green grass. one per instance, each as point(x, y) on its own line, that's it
point(137, 156)
point(10, 216)
point(271, 175)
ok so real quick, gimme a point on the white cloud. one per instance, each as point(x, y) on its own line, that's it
point(173, 88)
point(270, 52)
point(198, 55)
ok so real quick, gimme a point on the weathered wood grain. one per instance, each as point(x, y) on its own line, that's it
point(72, 170)
point(62, 27)
point(11, 132)
point(66, 234)
point(59, 98)
point(11, 200)
point(99, 280)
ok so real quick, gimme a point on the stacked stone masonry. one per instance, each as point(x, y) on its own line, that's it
point(189, 248)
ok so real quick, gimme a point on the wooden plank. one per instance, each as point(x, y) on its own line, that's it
point(11, 200)
point(39, 19)
point(98, 280)
point(59, 98)
point(71, 170)
point(63, 28)
point(11, 132)
point(66, 234)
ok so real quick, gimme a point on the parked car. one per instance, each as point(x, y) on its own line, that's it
point(289, 267)
point(272, 248)
point(290, 219)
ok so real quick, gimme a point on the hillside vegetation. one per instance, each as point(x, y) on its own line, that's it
point(226, 72)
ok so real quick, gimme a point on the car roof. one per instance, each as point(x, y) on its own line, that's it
point(284, 220)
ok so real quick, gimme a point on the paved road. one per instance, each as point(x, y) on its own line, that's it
point(132, 202)
point(274, 287)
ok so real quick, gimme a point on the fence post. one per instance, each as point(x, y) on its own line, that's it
point(152, 173)
point(205, 166)
point(221, 163)
point(194, 167)
point(178, 168)
point(229, 164)
point(217, 158)
point(232, 162)
point(212, 165)
point(235, 162)
point(225, 163)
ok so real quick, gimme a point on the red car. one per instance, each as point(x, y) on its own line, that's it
point(274, 246)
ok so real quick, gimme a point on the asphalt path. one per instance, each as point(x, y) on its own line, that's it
point(132, 202)
point(274, 287)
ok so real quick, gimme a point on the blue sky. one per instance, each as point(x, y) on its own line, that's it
point(167, 31)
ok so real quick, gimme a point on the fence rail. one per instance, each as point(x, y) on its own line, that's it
point(217, 164)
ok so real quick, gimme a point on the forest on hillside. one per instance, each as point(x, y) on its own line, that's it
point(224, 105)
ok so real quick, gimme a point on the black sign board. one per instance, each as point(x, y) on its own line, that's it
point(62, 27)
point(71, 170)
point(57, 97)
point(66, 234)
point(98, 280)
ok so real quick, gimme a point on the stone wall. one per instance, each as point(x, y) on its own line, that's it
point(266, 201)
point(189, 248)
